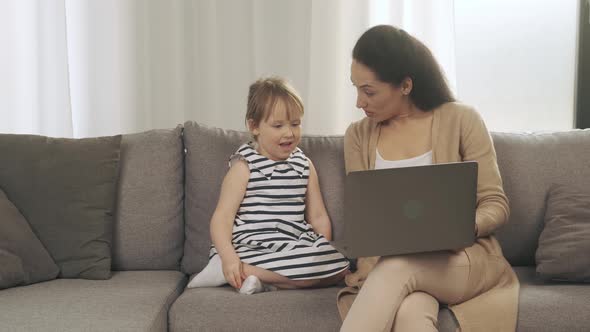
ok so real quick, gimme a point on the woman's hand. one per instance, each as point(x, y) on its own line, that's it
point(233, 271)
point(364, 265)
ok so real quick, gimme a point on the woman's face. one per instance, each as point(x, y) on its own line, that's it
point(379, 100)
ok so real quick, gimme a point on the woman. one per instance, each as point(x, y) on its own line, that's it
point(413, 119)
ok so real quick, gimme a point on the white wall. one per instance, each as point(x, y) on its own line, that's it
point(515, 61)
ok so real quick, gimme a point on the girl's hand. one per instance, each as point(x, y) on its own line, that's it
point(233, 271)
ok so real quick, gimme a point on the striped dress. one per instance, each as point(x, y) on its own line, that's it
point(270, 230)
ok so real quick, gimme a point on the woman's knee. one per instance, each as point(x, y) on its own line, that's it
point(420, 262)
point(417, 312)
point(416, 304)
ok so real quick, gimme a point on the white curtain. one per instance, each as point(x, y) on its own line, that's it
point(34, 83)
point(79, 68)
point(516, 61)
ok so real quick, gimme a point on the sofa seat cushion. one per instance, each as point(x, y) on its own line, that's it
point(129, 301)
point(551, 306)
point(223, 309)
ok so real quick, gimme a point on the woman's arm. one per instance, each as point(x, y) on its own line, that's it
point(232, 193)
point(315, 210)
point(353, 159)
point(492, 204)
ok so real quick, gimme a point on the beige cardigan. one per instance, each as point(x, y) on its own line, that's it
point(458, 134)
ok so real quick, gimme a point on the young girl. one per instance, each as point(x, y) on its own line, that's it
point(270, 227)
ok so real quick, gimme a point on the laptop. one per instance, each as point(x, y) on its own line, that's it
point(409, 210)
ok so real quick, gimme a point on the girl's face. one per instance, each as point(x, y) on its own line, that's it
point(379, 100)
point(278, 135)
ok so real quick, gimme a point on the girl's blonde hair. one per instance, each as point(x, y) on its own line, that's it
point(265, 93)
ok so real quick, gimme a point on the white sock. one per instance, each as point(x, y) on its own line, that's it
point(210, 276)
point(253, 285)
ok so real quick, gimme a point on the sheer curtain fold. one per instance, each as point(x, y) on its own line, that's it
point(431, 21)
point(34, 82)
point(79, 68)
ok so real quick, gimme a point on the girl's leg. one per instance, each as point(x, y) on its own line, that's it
point(330, 281)
point(418, 312)
point(441, 274)
point(269, 277)
point(279, 281)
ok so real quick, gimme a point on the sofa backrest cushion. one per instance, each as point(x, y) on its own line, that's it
point(149, 227)
point(564, 243)
point(529, 165)
point(21, 252)
point(12, 272)
point(66, 190)
point(208, 152)
point(327, 155)
point(206, 163)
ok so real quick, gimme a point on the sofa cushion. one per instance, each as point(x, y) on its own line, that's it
point(564, 243)
point(129, 301)
point(23, 257)
point(208, 152)
point(551, 306)
point(12, 272)
point(149, 225)
point(284, 310)
point(327, 154)
point(529, 165)
point(206, 163)
point(65, 188)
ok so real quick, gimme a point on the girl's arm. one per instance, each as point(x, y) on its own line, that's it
point(232, 193)
point(315, 210)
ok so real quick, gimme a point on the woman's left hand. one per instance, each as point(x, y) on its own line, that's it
point(364, 266)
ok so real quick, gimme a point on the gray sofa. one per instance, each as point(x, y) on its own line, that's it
point(168, 187)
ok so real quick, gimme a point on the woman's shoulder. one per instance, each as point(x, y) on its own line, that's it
point(453, 117)
point(456, 109)
point(458, 112)
point(361, 127)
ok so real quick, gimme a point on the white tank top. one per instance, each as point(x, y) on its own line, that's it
point(422, 160)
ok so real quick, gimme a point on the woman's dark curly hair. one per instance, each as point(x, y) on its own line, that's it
point(393, 55)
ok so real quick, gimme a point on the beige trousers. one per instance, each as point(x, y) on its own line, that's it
point(402, 292)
